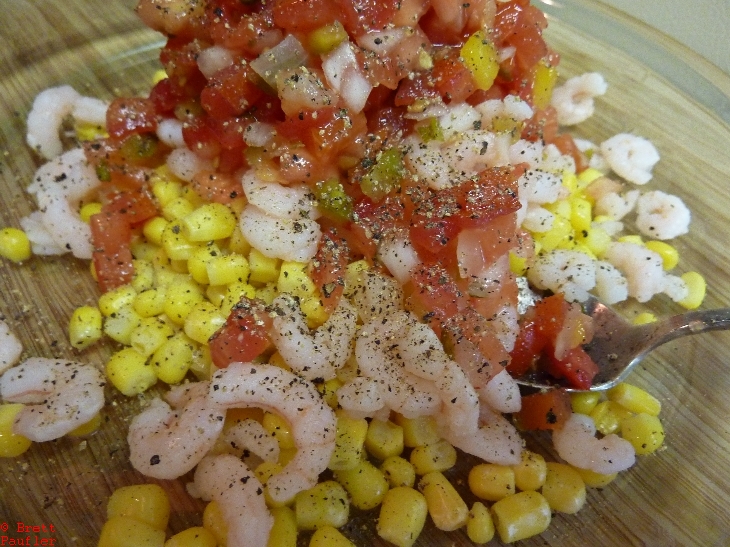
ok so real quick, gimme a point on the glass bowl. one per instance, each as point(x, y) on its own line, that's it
point(657, 89)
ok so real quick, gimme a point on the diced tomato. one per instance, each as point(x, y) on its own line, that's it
point(566, 145)
point(328, 268)
point(542, 127)
point(438, 32)
point(577, 368)
point(111, 235)
point(130, 115)
point(305, 15)
point(528, 348)
point(249, 33)
point(434, 290)
point(452, 78)
point(362, 16)
point(410, 90)
point(216, 186)
point(230, 92)
point(473, 326)
point(135, 206)
point(546, 410)
point(244, 336)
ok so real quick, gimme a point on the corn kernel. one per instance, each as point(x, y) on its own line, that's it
point(560, 232)
point(120, 324)
point(284, 531)
point(349, 442)
point(129, 372)
point(124, 531)
point(517, 264)
point(384, 439)
point(174, 242)
point(197, 536)
point(697, 288)
point(215, 523)
point(520, 516)
point(326, 38)
point(402, 516)
point(564, 488)
point(438, 456)
point(11, 444)
point(479, 524)
point(294, 279)
point(530, 473)
point(144, 275)
point(86, 131)
point(581, 214)
point(279, 428)
point(14, 245)
point(365, 483)
point(85, 327)
point(644, 431)
point(151, 333)
point(238, 244)
point(328, 391)
point(209, 222)
point(150, 303)
point(325, 504)
point(398, 472)
point(165, 189)
point(177, 209)
point(224, 270)
point(445, 506)
point(631, 238)
point(172, 360)
point(587, 176)
point(544, 82)
point(203, 321)
point(644, 318)
point(116, 299)
point(634, 399)
point(490, 481)
point(595, 480)
point(327, 536)
point(147, 503)
point(88, 428)
point(608, 416)
point(198, 262)
point(233, 294)
point(583, 402)
point(154, 228)
point(669, 254)
point(88, 210)
point(596, 239)
point(418, 431)
point(181, 299)
point(480, 57)
point(314, 311)
point(262, 268)
point(353, 271)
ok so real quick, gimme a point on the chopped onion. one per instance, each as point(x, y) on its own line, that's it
point(287, 54)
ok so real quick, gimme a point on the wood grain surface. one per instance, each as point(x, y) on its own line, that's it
point(678, 496)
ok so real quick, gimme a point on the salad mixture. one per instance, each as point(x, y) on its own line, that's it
point(327, 243)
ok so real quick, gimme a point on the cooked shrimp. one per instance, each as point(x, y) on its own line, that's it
point(362, 397)
point(250, 436)
point(573, 100)
point(642, 268)
point(185, 164)
point(285, 238)
point(10, 347)
point(577, 444)
point(59, 186)
point(615, 205)
point(511, 107)
point(240, 495)
point(611, 286)
point(166, 442)
point(571, 272)
point(315, 355)
point(398, 254)
point(502, 393)
point(661, 215)
point(59, 396)
point(630, 156)
point(295, 201)
point(313, 423)
point(45, 118)
point(374, 295)
point(539, 186)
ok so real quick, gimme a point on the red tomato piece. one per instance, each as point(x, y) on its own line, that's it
point(362, 16)
point(543, 126)
point(216, 186)
point(305, 15)
point(435, 291)
point(244, 336)
point(328, 268)
point(130, 115)
point(200, 136)
point(135, 206)
point(566, 145)
point(111, 235)
point(528, 347)
point(230, 92)
point(421, 86)
point(576, 368)
point(453, 80)
point(547, 410)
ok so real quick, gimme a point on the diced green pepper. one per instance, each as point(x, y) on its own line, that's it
point(431, 131)
point(333, 199)
point(385, 176)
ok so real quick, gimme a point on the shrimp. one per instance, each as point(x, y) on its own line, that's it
point(185, 164)
point(577, 444)
point(313, 423)
point(661, 215)
point(511, 107)
point(285, 238)
point(240, 495)
point(250, 436)
point(573, 100)
point(165, 442)
point(642, 268)
point(571, 272)
point(374, 295)
point(630, 156)
point(539, 187)
point(611, 286)
point(362, 397)
point(59, 396)
point(49, 109)
point(398, 254)
point(59, 186)
point(502, 393)
point(315, 355)
point(10, 347)
point(615, 205)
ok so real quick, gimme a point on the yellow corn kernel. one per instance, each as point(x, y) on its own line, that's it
point(384, 439)
point(278, 361)
point(445, 506)
point(181, 299)
point(150, 303)
point(644, 431)
point(583, 402)
point(490, 481)
point(14, 245)
point(418, 431)
point(634, 399)
point(179, 266)
point(204, 320)
point(581, 214)
point(224, 270)
point(172, 360)
point(208, 222)
point(116, 299)
point(165, 189)
point(214, 522)
point(294, 279)
point(587, 176)
point(595, 480)
point(197, 264)
point(144, 275)
point(216, 295)
point(480, 57)
point(151, 252)
point(124, 531)
point(264, 471)
point(177, 209)
point(517, 264)
point(314, 311)
point(479, 524)
point(697, 288)
point(349, 442)
point(325, 504)
point(669, 254)
point(631, 238)
point(365, 483)
point(328, 391)
point(327, 536)
point(353, 271)
point(85, 327)
point(570, 181)
point(520, 516)
point(88, 428)
point(11, 444)
point(147, 503)
point(545, 78)
point(596, 239)
point(530, 473)
point(262, 268)
point(120, 324)
point(197, 536)
point(129, 372)
point(607, 416)
point(233, 294)
point(561, 231)
point(202, 365)
point(438, 456)
point(88, 210)
point(398, 472)
point(284, 531)
point(564, 488)
point(151, 333)
point(86, 131)
point(560, 208)
point(326, 38)
point(238, 244)
point(154, 228)
point(279, 428)
point(644, 318)
point(402, 516)
point(174, 242)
